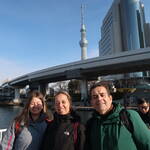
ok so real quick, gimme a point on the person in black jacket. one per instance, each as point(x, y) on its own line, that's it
point(144, 110)
point(65, 132)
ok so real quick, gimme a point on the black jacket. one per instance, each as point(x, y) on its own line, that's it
point(64, 133)
point(145, 118)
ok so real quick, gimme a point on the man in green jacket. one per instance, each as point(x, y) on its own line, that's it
point(106, 130)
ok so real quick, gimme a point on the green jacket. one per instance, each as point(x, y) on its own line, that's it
point(109, 133)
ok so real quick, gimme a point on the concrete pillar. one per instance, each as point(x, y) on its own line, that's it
point(17, 96)
point(43, 88)
point(84, 90)
point(34, 86)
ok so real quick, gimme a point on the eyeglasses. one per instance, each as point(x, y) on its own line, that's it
point(144, 107)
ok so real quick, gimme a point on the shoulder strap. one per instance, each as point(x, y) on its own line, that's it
point(125, 120)
point(75, 132)
point(17, 128)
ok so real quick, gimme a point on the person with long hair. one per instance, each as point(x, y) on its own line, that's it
point(65, 132)
point(27, 129)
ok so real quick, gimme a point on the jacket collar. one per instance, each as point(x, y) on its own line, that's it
point(110, 117)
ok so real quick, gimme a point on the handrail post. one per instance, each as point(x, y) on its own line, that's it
point(1, 133)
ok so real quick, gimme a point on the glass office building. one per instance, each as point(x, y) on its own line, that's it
point(132, 27)
point(123, 29)
point(132, 24)
point(147, 34)
point(111, 40)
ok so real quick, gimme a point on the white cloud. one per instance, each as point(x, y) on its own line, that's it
point(93, 53)
point(10, 70)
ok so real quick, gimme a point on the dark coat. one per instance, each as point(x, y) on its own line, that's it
point(60, 133)
point(107, 132)
point(145, 118)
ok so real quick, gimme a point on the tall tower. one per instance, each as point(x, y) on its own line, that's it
point(83, 42)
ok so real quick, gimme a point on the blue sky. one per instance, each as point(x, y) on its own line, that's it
point(36, 34)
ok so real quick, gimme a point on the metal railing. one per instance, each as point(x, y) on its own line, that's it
point(1, 133)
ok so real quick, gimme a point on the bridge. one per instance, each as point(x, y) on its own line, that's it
point(124, 62)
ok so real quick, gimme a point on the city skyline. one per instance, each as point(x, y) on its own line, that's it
point(33, 32)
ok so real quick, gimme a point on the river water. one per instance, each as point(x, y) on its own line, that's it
point(8, 113)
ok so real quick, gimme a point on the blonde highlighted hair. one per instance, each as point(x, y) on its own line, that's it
point(67, 94)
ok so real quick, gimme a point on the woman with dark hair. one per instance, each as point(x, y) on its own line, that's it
point(26, 131)
point(65, 132)
point(144, 110)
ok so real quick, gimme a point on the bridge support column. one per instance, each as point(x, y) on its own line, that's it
point(17, 96)
point(43, 88)
point(84, 90)
point(34, 86)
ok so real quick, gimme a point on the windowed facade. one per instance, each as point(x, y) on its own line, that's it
point(123, 29)
point(132, 24)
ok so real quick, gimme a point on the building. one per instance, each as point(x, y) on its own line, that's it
point(147, 34)
point(132, 24)
point(111, 41)
point(123, 29)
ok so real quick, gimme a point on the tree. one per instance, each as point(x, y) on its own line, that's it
point(61, 85)
point(74, 86)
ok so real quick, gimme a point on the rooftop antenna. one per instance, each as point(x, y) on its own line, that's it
point(83, 42)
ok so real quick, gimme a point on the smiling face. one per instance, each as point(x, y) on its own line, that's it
point(101, 100)
point(62, 104)
point(35, 106)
